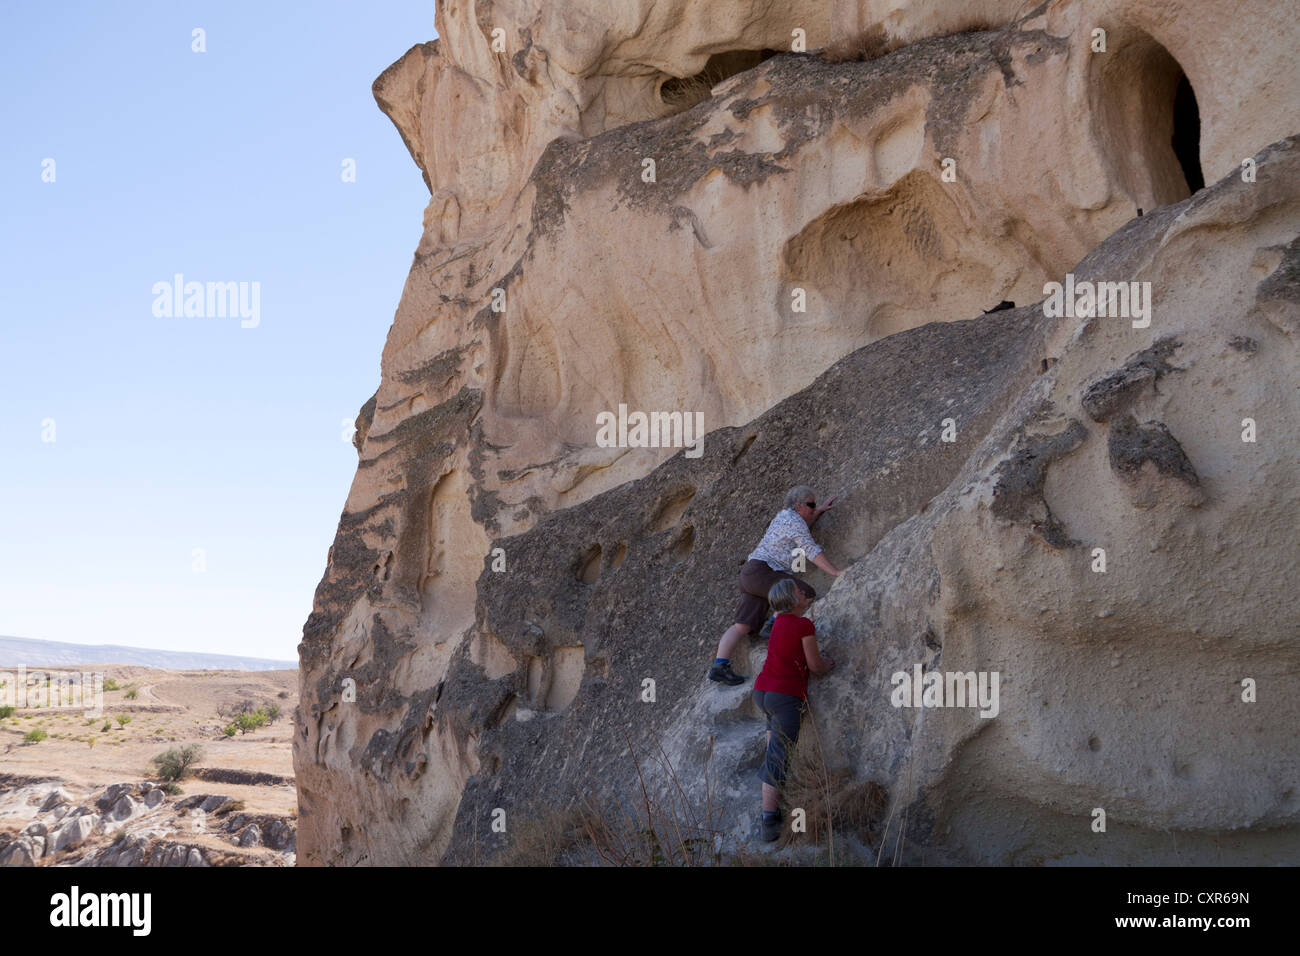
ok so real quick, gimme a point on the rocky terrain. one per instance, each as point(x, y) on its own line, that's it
point(681, 208)
point(88, 794)
point(137, 824)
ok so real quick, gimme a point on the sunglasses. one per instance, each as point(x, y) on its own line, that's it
point(810, 504)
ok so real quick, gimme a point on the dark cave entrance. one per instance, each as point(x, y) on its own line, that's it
point(1186, 140)
point(1147, 119)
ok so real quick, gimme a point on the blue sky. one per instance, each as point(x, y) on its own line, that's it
point(176, 434)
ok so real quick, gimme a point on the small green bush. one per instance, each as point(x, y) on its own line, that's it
point(230, 730)
point(35, 736)
point(251, 721)
point(110, 684)
point(175, 762)
point(6, 711)
point(132, 694)
point(123, 719)
point(108, 725)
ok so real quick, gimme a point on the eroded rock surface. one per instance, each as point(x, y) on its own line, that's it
point(800, 269)
point(135, 824)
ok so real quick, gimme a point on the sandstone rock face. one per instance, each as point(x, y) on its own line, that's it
point(1123, 689)
point(112, 795)
point(72, 832)
point(128, 851)
point(123, 808)
point(55, 798)
point(793, 257)
point(203, 802)
point(259, 830)
point(19, 853)
point(177, 854)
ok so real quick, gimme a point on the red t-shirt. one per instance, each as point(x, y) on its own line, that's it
point(786, 668)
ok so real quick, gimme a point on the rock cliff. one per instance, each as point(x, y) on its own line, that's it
point(785, 223)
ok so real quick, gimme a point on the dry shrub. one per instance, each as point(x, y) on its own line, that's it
point(646, 836)
point(679, 95)
point(868, 45)
point(667, 831)
point(544, 838)
point(875, 42)
point(832, 801)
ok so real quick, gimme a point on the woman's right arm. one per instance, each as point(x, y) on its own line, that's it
point(824, 563)
point(821, 666)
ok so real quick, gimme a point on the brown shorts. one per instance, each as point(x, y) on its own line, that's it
point(756, 579)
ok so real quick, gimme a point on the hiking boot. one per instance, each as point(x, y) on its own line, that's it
point(771, 830)
point(722, 673)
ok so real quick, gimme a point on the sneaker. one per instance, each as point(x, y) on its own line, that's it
point(771, 830)
point(723, 673)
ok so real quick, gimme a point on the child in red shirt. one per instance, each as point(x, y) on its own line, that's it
point(781, 689)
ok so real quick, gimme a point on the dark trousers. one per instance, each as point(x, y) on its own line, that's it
point(756, 579)
point(784, 714)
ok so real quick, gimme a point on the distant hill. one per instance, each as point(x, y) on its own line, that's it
point(33, 653)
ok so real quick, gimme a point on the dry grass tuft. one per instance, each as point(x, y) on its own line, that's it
point(661, 831)
point(680, 94)
point(544, 839)
point(832, 801)
point(868, 45)
point(875, 42)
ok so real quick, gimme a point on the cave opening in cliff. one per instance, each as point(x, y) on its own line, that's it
point(1187, 135)
point(1148, 120)
point(680, 93)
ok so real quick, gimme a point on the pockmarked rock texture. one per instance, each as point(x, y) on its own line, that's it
point(1132, 656)
point(781, 221)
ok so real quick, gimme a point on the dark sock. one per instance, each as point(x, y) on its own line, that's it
point(771, 816)
point(722, 660)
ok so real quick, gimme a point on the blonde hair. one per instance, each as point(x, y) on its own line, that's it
point(783, 596)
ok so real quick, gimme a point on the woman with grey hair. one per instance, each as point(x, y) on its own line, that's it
point(768, 563)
